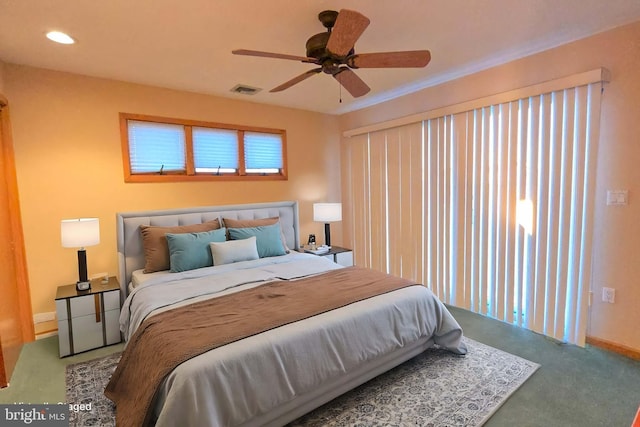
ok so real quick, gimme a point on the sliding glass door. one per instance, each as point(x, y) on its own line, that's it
point(489, 207)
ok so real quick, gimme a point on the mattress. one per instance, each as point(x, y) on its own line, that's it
point(139, 277)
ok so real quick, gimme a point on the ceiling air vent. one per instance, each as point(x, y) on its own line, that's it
point(245, 90)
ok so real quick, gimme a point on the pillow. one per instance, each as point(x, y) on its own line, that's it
point(249, 223)
point(154, 242)
point(268, 239)
point(234, 251)
point(188, 251)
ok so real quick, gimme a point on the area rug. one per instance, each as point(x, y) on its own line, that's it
point(435, 388)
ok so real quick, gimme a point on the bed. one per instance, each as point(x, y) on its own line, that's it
point(277, 375)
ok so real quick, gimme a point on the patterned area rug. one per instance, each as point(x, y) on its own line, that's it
point(435, 388)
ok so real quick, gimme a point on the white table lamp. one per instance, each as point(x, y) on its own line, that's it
point(327, 212)
point(79, 233)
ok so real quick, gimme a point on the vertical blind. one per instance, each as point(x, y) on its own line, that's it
point(491, 208)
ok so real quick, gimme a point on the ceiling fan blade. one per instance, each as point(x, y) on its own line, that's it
point(351, 82)
point(272, 55)
point(404, 59)
point(348, 28)
point(296, 80)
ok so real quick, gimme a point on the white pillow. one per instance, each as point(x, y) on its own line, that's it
point(234, 251)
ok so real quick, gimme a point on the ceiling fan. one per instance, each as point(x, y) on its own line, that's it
point(334, 52)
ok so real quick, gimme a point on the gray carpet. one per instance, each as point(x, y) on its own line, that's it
point(436, 388)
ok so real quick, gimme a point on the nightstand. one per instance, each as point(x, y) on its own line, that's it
point(88, 319)
point(342, 256)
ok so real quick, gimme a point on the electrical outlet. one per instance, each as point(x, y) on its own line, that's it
point(608, 295)
point(617, 197)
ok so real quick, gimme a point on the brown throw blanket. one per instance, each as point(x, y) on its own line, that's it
point(168, 339)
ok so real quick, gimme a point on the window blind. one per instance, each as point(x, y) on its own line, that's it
point(539, 150)
point(215, 150)
point(262, 152)
point(490, 207)
point(156, 147)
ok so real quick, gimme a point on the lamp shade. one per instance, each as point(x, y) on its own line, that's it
point(81, 232)
point(327, 212)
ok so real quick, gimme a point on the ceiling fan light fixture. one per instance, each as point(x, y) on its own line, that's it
point(60, 37)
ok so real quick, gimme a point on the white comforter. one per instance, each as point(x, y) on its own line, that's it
point(239, 383)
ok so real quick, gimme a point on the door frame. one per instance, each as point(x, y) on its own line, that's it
point(16, 236)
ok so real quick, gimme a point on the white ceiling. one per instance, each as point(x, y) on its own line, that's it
point(187, 45)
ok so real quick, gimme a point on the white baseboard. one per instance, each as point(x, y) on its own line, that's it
point(44, 317)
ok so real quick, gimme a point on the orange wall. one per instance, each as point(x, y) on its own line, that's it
point(1, 77)
point(69, 163)
point(616, 251)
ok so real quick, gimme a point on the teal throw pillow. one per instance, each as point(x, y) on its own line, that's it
point(188, 251)
point(268, 239)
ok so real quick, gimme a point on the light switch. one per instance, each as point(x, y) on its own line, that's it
point(617, 197)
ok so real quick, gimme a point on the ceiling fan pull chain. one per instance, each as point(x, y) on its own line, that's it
point(340, 92)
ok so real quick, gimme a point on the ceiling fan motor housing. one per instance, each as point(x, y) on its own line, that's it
point(317, 45)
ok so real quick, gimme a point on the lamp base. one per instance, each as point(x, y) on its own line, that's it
point(327, 234)
point(83, 286)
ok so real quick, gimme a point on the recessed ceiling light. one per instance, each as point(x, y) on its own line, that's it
point(59, 37)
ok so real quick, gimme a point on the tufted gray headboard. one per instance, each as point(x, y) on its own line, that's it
point(130, 251)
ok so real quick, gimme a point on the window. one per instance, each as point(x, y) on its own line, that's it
point(158, 149)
